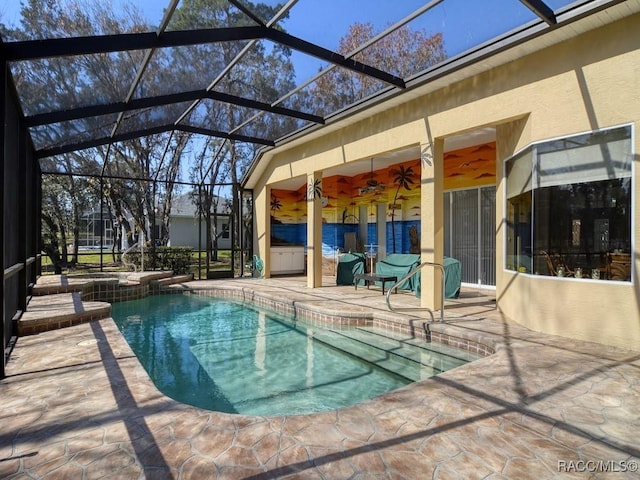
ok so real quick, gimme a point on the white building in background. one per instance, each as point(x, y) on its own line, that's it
point(186, 226)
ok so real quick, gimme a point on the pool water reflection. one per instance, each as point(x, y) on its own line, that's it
point(225, 356)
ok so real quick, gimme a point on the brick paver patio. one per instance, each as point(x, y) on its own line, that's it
point(77, 404)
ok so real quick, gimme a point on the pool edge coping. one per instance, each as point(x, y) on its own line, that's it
point(317, 314)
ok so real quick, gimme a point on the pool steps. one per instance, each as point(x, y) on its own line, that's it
point(51, 312)
point(335, 316)
point(403, 356)
point(59, 301)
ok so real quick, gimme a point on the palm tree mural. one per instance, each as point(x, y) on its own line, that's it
point(275, 205)
point(315, 189)
point(403, 177)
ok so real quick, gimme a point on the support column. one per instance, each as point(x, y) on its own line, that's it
point(3, 107)
point(314, 230)
point(21, 204)
point(262, 222)
point(37, 210)
point(432, 222)
point(363, 220)
point(381, 229)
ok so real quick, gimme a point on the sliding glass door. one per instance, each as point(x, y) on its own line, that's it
point(469, 219)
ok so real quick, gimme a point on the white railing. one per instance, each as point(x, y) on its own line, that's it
point(139, 243)
point(411, 274)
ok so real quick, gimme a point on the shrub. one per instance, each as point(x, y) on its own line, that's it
point(176, 259)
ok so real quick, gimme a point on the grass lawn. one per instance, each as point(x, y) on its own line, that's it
point(89, 262)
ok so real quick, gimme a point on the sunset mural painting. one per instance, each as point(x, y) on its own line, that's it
point(470, 167)
point(343, 196)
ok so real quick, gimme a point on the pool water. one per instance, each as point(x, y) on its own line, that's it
point(228, 357)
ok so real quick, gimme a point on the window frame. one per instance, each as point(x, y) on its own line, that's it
point(533, 153)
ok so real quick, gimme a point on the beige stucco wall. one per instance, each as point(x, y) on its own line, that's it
point(584, 84)
point(597, 88)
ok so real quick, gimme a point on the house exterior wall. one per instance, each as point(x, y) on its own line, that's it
point(184, 233)
point(581, 85)
point(597, 88)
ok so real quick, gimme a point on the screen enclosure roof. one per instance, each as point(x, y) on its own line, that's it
point(259, 74)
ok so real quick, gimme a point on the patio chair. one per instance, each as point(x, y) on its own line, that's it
point(618, 266)
point(555, 262)
point(349, 265)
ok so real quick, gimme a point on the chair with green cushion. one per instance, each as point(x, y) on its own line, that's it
point(349, 265)
point(398, 265)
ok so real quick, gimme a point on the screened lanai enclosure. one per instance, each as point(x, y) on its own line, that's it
point(129, 126)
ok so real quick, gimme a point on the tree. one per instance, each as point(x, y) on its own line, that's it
point(207, 172)
point(56, 222)
point(403, 178)
point(263, 72)
point(275, 205)
point(64, 197)
point(403, 52)
point(69, 82)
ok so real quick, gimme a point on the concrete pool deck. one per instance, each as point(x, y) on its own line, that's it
point(77, 404)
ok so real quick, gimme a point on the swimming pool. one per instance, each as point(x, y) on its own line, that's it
point(228, 357)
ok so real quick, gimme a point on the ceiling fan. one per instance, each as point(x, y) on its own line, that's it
point(372, 186)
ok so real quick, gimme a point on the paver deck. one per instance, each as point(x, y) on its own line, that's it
point(48, 312)
point(77, 404)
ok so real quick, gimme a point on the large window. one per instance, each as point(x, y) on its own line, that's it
point(569, 207)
